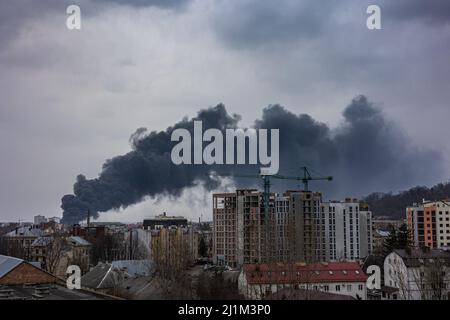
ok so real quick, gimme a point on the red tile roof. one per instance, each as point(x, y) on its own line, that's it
point(279, 273)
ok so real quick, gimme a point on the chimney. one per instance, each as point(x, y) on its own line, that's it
point(131, 244)
point(89, 218)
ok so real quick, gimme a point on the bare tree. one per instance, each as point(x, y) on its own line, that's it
point(54, 253)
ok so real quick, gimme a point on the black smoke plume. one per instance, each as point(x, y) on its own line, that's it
point(365, 153)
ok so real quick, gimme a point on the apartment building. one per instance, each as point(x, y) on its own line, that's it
point(305, 227)
point(348, 229)
point(299, 227)
point(429, 224)
point(418, 274)
point(259, 281)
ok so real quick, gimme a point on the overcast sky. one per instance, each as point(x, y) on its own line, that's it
point(71, 99)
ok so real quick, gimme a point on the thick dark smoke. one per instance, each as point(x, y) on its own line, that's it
point(365, 153)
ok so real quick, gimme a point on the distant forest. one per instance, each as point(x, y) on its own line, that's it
point(393, 205)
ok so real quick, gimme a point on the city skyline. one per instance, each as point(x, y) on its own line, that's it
point(71, 99)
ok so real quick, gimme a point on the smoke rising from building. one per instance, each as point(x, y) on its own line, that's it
point(365, 153)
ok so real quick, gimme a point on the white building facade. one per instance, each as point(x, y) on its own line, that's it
point(418, 274)
point(348, 230)
point(258, 281)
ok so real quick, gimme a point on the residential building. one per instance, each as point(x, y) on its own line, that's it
point(55, 254)
point(108, 277)
point(429, 224)
point(21, 280)
point(299, 227)
point(258, 281)
point(418, 274)
point(305, 227)
point(239, 228)
point(164, 221)
point(39, 219)
point(17, 243)
point(348, 229)
point(173, 248)
point(55, 220)
point(15, 271)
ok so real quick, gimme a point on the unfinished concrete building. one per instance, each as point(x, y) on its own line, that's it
point(299, 227)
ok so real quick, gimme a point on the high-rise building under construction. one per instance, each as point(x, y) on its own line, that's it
point(299, 227)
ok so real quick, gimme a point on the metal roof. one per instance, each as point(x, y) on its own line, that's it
point(79, 241)
point(7, 264)
point(301, 272)
point(25, 231)
point(42, 242)
point(418, 257)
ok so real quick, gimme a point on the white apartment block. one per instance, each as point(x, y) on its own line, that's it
point(348, 230)
point(39, 219)
point(442, 223)
point(418, 274)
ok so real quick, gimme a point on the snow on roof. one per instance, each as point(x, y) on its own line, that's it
point(383, 233)
point(133, 268)
point(25, 232)
point(79, 241)
point(42, 241)
point(107, 275)
point(7, 264)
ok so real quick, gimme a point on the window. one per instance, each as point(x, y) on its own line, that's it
point(338, 287)
point(360, 287)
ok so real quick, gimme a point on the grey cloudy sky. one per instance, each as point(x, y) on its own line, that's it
point(71, 99)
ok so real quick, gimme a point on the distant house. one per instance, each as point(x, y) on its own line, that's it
point(164, 221)
point(55, 254)
point(20, 280)
point(106, 277)
point(14, 271)
point(417, 274)
point(17, 243)
point(258, 281)
point(302, 294)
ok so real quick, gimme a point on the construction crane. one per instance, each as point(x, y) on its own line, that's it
point(305, 178)
point(267, 183)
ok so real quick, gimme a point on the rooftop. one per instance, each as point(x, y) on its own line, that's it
point(301, 272)
point(107, 275)
point(42, 242)
point(418, 257)
point(302, 294)
point(79, 241)
point(47, 292)
point(164, 216)
point(7, 264)
point(25, 232)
